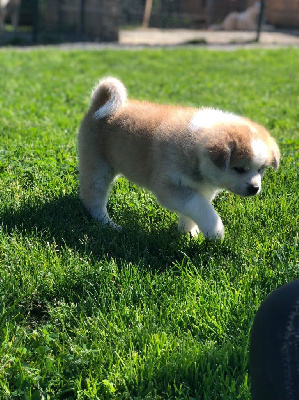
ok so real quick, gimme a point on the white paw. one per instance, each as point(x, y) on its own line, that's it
point(105, 220)
point(216, 232)
point(186, 225)
point(194, 231)
point(113, 225)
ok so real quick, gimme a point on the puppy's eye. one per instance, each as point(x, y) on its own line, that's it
point(261, 170)
point(239, 170)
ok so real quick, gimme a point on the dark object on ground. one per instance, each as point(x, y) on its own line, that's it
point(274, 346)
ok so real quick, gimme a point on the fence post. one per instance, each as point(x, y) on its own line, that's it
point(82, 17)
point(261, 19)
point(35, 21)
point(147, 13)
point(210, 11)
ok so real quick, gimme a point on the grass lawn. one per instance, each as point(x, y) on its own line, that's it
point(87, 313)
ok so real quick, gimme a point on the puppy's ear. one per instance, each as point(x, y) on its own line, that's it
point(275, 156)
point(219, 153)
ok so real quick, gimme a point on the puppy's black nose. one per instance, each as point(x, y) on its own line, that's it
point(252, 190)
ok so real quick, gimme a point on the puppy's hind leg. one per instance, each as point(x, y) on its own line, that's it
point(95, 181)
point(186, 225)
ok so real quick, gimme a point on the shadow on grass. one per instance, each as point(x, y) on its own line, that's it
point(64, 221)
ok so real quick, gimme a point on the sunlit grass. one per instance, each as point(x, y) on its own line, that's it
point(88, 313)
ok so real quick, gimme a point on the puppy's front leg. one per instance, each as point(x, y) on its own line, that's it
point(193, 205)
point(200, 210)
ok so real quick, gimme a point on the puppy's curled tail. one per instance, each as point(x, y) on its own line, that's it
point(107, 97)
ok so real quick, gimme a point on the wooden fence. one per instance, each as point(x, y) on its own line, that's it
point(100, 20)
point(86, 18)
point(283, 13)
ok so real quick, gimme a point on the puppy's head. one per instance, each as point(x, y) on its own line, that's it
point(239, 154)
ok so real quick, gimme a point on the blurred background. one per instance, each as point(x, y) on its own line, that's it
point(52, 21)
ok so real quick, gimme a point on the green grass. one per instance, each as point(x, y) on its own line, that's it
point(88, 313)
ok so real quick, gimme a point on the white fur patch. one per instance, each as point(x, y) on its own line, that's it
point(208, 117)
point(252, 128)
point(260, 151)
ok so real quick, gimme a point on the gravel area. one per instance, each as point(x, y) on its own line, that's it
point(218, 40)
point(164, 37)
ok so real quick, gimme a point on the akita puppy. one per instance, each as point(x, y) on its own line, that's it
point(184, 155)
